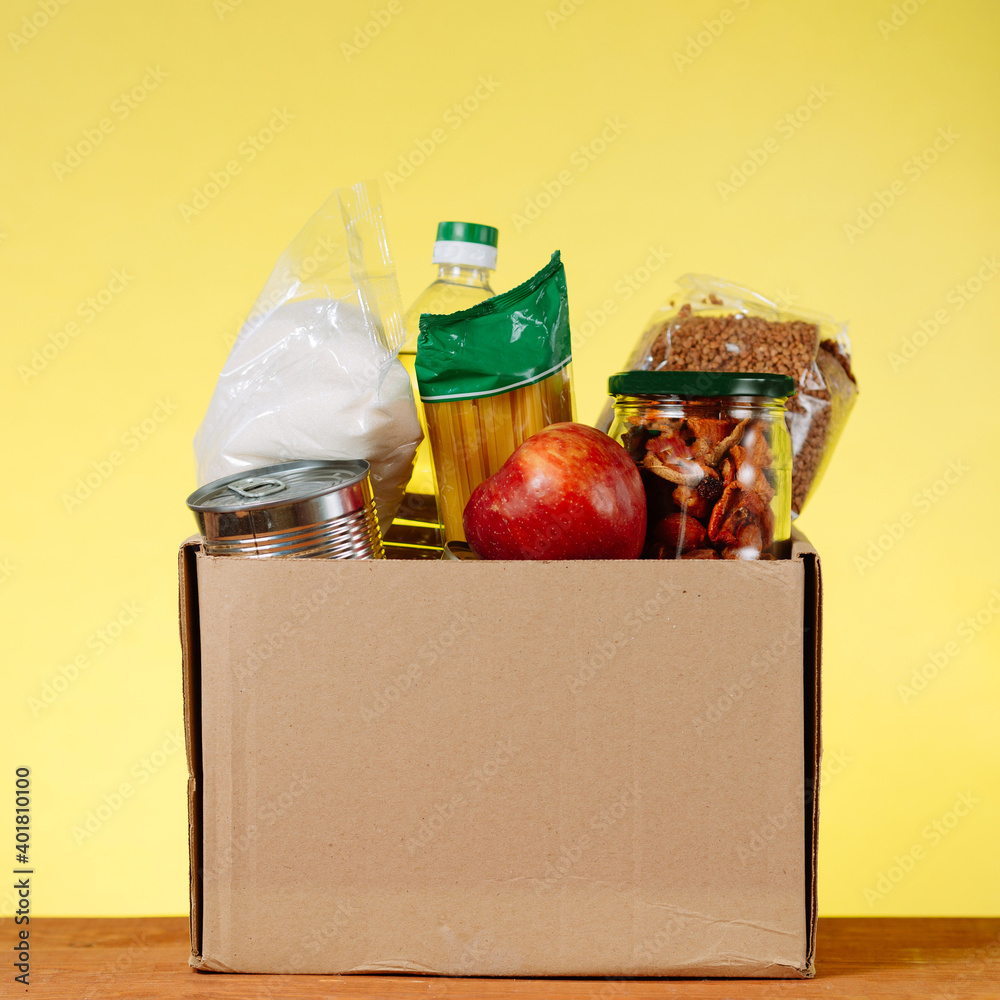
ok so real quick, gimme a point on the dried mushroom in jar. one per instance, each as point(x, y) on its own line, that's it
point(718, 493)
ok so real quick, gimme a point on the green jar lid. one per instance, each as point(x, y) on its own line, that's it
point(467, 232)
point(640, 383)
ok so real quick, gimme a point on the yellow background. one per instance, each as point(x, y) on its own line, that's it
point(895, 763)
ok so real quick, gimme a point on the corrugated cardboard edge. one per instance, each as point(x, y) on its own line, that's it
point(812, 650)
point(191, 679)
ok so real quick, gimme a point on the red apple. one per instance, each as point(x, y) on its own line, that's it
point(569, 492)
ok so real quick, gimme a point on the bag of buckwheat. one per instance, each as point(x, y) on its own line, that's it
point(714, 325)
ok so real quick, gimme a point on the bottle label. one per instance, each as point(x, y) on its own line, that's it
point(515, 339)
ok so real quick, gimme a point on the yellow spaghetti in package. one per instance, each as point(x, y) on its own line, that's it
point(490, 377)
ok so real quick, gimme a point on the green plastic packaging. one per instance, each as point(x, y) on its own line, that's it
point(515, 339)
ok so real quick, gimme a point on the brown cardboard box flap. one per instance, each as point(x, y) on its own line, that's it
point(191, 682)
point(521, 769)
point(812, 680)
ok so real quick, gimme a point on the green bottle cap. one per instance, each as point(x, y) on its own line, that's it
point(467, 243)
point(467, 232)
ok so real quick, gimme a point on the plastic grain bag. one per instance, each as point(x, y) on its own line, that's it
point(313, 372)
point(714, 325)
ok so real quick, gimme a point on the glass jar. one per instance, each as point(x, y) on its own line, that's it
point(715, 457)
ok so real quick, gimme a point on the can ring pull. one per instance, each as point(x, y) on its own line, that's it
point(252, 487)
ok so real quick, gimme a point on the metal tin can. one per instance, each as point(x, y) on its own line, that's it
point(309, 508)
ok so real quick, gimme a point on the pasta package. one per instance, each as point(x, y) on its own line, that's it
point(490, 377)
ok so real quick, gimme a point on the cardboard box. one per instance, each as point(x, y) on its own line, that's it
point(503, 769)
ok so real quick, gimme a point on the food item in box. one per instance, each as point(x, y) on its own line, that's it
point(712, 325)
point(568, 492)
point(308, 509)
point(314, 372)
point(490, 377)
point(466, 256)
point(714, 454)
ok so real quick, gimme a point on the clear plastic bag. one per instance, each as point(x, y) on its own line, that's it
point(714, 325)
point(314, 371)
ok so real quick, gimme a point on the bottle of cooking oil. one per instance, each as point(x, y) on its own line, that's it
point(466, 255)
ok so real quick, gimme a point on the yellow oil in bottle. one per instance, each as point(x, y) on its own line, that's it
point(465, 255)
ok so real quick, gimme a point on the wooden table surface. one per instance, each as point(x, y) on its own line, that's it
point(858, 958)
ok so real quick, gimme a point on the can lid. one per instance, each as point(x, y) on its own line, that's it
point(674, 383)
point(277, 485)
point(467, 232)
